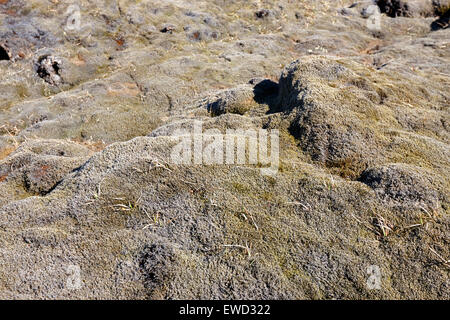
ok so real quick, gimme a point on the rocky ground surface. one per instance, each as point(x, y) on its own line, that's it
point(92, 92)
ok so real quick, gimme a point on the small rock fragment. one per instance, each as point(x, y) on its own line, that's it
point(168, 29)
point(48, 68)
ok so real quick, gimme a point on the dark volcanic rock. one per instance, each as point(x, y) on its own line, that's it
point(413, 8)
point(48, 68)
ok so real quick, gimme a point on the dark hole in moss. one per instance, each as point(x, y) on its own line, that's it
point(55, 66)
point(266, 92)
point(262, 13)
point(393, 8)
point(442, 23)
point(4, 54)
